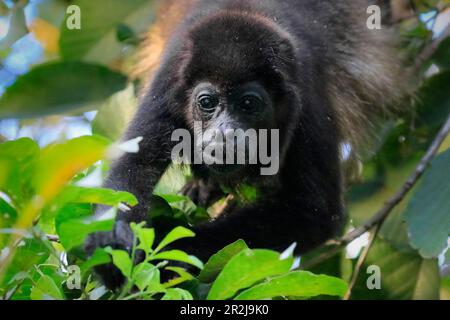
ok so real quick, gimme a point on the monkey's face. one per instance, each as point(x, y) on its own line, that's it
point(227, 121)
point(238, 71)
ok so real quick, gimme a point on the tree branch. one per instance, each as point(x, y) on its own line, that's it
point(52, 238)
point(378, 219)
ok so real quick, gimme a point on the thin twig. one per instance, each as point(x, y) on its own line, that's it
point(361, 260)
point(52, 238)
point(384, 212)
point(412, 180)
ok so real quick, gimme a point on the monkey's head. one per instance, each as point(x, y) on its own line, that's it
point(239, 74)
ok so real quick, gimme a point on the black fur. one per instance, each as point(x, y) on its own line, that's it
point(286, 46)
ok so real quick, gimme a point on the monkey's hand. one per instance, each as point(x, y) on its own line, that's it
point(120, 238)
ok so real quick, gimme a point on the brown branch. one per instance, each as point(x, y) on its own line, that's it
point(378, 219)
point(52, 238)
point(361, 260)
point(412, 180)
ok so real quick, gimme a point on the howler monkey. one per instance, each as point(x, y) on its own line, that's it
point(312, 69)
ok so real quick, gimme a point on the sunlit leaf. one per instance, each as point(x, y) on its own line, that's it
point(245, 269)
point(216, 263)
point(18, 159)
point(147, 277)
point(177, 255)
point(115, 114)
point(183, 277)
point(99, 257)
point(122, 261)
point(296, 284)
point(73, 194)
point(30, 253)
point(60, 162)
point(73, 233)
point(46, 33)
point(46, 289)
point(145, 237)
point(174, 235)
point(177, 294)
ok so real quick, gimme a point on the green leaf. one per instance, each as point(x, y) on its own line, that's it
point(177, 294)
point(145, 236)
point(160, 208)
point(404, 276)
point(183, 277)
point(296, 284)
point(115, 114)
point(18, 159)
point(97, 41)
point(72, 212)
point(122, 261)
point(177, 255)
point(60, 162)
point(172, 181)
point(247, 194)
point(99, 257)
point(73, 233)
point(126, 34)
point(147, 278)
point(59, 87)
point(428, 214)
point(32, 252)
point(174, 235)
point(74, 223)
point(108, 197)
point(245, 269)
point(216, 263)
point(46, 289)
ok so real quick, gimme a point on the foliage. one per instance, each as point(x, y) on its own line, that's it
point(46, 199)
point(46, 207)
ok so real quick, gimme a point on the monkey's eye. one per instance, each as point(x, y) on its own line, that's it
point(207, 102)
point(251, 102)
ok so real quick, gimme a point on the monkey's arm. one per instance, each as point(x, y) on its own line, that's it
point(138, 173)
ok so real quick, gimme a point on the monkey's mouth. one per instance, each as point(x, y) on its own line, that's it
point(222, 163)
